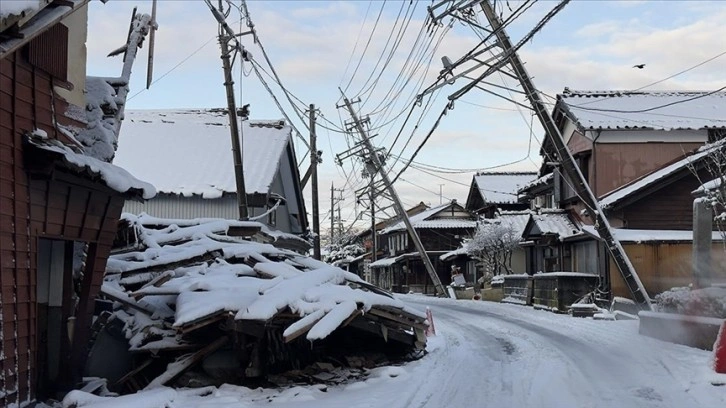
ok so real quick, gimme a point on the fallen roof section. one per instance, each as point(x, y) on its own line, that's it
point(182, 287)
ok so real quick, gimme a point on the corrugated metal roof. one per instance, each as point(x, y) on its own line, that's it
point(501, 188)
point(189, 151)
point(663, 110)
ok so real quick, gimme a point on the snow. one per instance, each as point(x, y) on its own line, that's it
point(565, 275)
point(554, 222)
point(614, 197)
point(188, 152)
point(17, 7)
point(279, 280)
point(713, 321)
point(501, 188)
point(115, 177)
point(544, 180)
point(708, 186)
point(639, 236)
point(704, 111)
point(491, 354)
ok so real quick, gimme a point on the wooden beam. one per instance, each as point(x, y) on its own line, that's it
point(398, 319)
point(174, 370)
point(127, 301)
point(156, 282)
point(203, 321)
point(135, 371)
point(302, 330)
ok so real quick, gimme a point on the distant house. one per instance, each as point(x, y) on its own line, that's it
point(642, 153)
point(361, 264)
point(494, 191)
point(187, 155)
point(441, 230)
point(60, 199)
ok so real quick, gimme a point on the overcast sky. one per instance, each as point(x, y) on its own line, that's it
point(316, 46)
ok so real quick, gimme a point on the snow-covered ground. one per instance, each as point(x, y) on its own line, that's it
point(499, 355)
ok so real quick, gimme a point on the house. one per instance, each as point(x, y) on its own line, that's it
point(642, 154)
point(60, 198)
point(441, 229)
point(186, 154)
point(361, 264)
point(619, 136)
point(493, 191)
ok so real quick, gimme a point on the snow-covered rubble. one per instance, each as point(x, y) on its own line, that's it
point(177, 284)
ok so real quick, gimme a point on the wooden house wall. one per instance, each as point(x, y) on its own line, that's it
point(662, 266)
point(441, 239)
point(616, 164)
point(670, 208)
point(29, 210)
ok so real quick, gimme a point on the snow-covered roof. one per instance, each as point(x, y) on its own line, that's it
point(663, 110)
point(189, 151)
point(647, 180)
point(114, 176)
point(555, 222)
point(382, 263)
point(541, 181)
point(18, 7)
point(501, 188)
point(638, 236)
point(429, 219)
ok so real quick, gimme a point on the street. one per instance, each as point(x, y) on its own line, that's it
point(498, 355)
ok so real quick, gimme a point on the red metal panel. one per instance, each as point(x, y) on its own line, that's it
point(49, 51)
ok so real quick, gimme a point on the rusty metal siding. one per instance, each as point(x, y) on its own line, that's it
point(49, 51)
point(619, 163)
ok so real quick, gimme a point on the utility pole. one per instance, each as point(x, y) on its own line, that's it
point(314, 161)
point(373, 155)
point(569, 166)
point(225, 35)
point(333, 201)
point(441, 193)
point(374, 233)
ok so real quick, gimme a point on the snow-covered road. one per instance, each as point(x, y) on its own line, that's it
point(519, 357)
point(491, 354)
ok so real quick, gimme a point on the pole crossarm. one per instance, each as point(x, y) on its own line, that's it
point(373, 156)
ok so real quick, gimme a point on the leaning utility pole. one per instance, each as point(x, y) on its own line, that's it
point(374, 233)
point(314, 160)
point(225, 35)
point(572, 171)
point(373, 155)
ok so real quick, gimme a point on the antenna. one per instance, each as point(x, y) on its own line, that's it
point(152, 35)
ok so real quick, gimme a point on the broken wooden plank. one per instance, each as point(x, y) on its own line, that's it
point(355, 314)
point(396, 318)
point(306, 323)
point(156, 282)
point(135, 371)
point(177, 368)
point(203, 321)
point(124, 299)
point(374, 328)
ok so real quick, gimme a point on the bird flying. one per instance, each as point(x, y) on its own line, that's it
point(639, 66)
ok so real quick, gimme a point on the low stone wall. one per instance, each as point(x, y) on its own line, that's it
point(693, 331)
point(492, 294)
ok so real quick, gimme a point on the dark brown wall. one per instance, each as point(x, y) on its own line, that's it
point(670, 208)
point(616, 164)
point(60, 208)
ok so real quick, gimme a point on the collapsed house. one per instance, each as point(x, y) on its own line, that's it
point(211, 301)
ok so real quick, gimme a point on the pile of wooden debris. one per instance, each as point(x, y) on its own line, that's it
point(205, 301)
